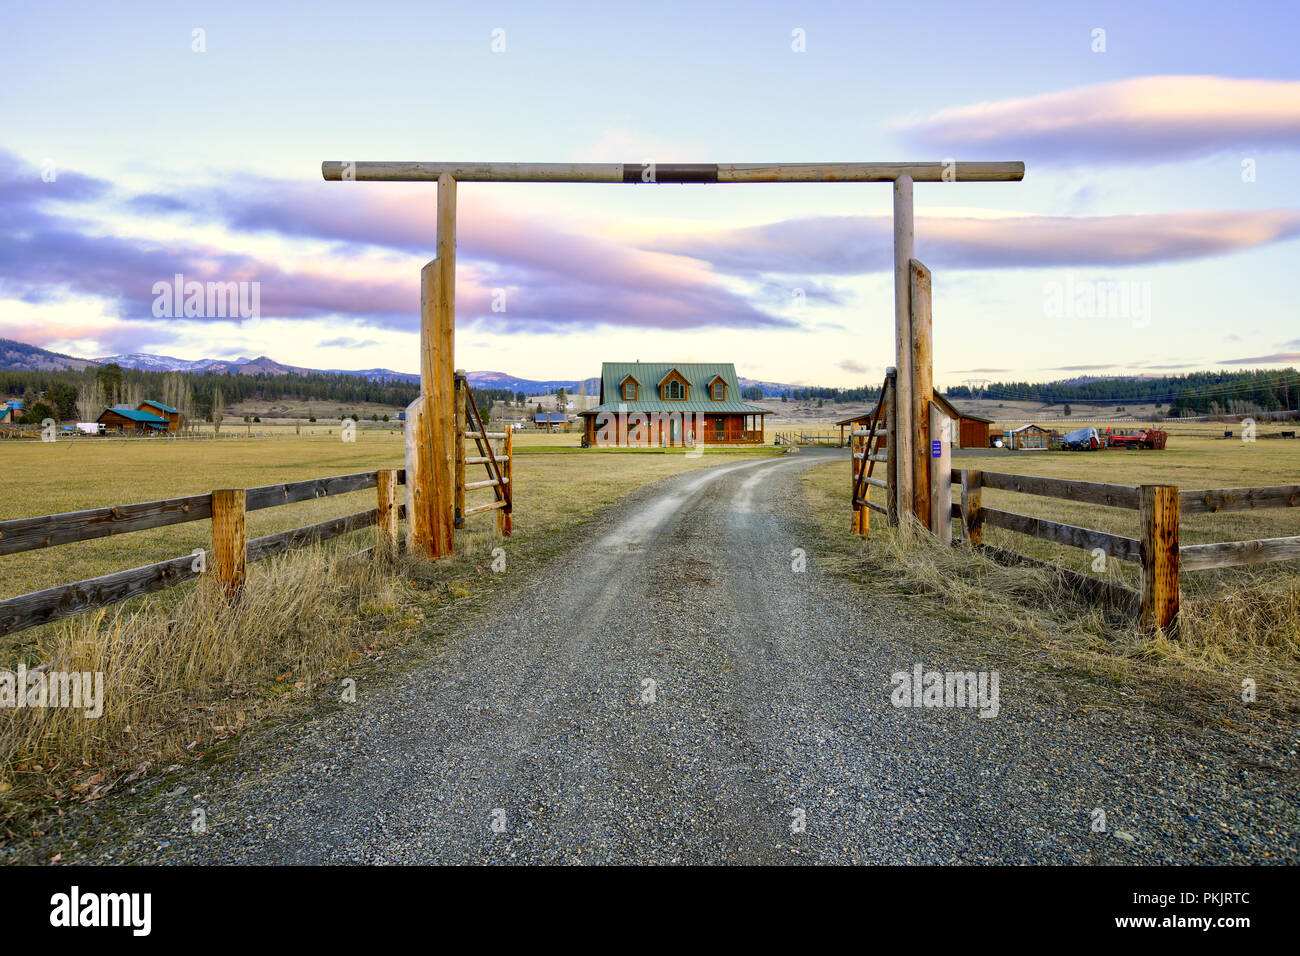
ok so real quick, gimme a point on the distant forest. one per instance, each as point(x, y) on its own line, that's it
point(108, 384)
point(1198, 393)
point(69, 394)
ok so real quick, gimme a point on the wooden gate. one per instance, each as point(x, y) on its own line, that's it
point(866, 445)
point(498, 461)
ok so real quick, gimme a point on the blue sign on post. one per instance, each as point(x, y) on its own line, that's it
point(936, 449)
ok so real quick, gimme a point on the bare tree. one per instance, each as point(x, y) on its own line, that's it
point(218, 403)
point(90, 396)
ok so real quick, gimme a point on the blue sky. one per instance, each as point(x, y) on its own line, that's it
point(170, 160)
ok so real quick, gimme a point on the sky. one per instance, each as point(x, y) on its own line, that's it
point(1155, 230)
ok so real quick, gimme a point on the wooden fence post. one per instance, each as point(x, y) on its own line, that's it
point(229, 540)
point(940, 491)
point(891, 445)
point(1159, 553)
point(460, 418)
point(508, 472)
point(859, 512)
point(386, 483)
point(972, 503)
point(923, 462)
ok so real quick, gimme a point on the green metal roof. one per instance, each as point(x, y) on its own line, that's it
point(136, 415)
point(650, 374)
point(165, 408)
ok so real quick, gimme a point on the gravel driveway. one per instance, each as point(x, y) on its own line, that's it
point(767, 735)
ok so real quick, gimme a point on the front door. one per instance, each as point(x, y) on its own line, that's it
point(719, 429)
point(674, 430)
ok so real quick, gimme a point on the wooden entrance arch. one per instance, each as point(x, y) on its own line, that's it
point(429, 424)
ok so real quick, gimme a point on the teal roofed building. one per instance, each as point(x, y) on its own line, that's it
point(671, 403)
point(132, 421)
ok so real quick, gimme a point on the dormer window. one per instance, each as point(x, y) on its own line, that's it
point(630, 388)
point(673, 387)
point(719, 392)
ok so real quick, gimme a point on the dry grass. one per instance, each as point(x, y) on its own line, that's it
point(182, 668)
point(191, 669)
point(1248, 631)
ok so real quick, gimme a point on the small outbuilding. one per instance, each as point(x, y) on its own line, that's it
point(551, 420)
point(972, 430)
point(1028, 438)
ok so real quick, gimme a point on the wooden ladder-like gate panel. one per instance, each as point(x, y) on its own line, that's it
point(500, 467)
point(865, 449)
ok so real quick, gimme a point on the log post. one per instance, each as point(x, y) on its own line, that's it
point(386, 529)
point(855, 468)
point(901, 437)
point(446, 385)
point(891, 445)
point(972, 503)
point(419, 474)
point(1159, 553)
point(940, 485)
point(508, 471)
point(460, 413)
point(923, 461)
point(229, 540)
point(430, 465)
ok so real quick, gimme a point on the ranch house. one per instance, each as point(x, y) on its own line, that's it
point(132, 421)
point(666, 403)
point(172, 415)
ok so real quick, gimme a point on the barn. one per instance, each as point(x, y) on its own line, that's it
point(172, 415)
point(132, 421)
point(972, 431)
point(671, 403)
point(551, 420)
point(11, 411)
point(1028, 438)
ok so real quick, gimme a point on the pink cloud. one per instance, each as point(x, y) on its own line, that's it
point(859, 244)
point(1139, 119)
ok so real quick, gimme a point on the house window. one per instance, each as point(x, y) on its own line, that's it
point(629, 391)
point(719, 391)
point(675, 391)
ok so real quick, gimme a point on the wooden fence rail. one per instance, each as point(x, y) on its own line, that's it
point(1157, 551)
point(27, 534)
point(228, 558)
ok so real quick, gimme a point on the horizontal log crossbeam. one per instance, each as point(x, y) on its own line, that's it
point(665, 173)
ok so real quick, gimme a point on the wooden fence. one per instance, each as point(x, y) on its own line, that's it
point(1156, 549)
point(231, 550)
